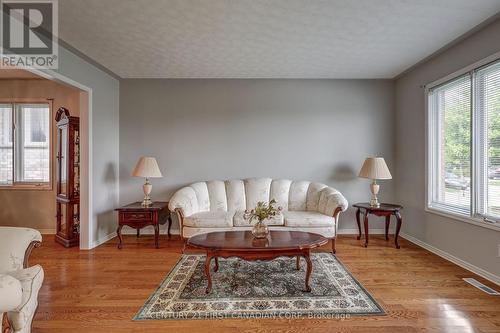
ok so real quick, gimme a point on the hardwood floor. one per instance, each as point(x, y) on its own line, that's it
point(102, 289)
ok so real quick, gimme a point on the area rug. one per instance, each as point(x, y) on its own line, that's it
point(258, 289)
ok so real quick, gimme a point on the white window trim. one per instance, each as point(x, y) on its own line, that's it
point(435, 209)
point(38, 186)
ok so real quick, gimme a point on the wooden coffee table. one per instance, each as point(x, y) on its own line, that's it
point(243, 245)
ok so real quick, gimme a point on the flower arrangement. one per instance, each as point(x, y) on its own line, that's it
point(260, 213)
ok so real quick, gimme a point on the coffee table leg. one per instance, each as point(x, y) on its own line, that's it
point(298, 263)
point(207, 272)
point(307, 256)
point(216, 268)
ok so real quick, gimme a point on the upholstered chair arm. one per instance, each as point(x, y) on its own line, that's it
point(11, 293)
point(185, 200)
point(15, 246)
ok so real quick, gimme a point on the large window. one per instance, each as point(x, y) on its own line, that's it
point(464, 144)
point(24, 145)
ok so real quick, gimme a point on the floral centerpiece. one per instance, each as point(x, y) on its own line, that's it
point(260, 213)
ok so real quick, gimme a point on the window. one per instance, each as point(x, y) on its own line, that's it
point(6, 144)
point(24, 144)
point(464, 144)
point(450, 105)
point(487, 92)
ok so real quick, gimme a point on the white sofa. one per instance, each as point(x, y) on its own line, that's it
point(219, 206)
point(19, 284)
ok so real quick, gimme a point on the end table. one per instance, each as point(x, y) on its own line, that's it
point(137, 216)
point(386, 210)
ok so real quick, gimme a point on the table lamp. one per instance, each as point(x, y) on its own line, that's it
point(148, 168)
point(375, 168)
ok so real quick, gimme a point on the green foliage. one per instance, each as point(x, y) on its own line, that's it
point(457, 132)
point(262, 211)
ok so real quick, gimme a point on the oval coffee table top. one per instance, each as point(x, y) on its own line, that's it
point(244, 240)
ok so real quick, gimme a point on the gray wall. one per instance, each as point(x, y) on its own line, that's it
point(104, 147)
point(317, 130)
point(476, 245)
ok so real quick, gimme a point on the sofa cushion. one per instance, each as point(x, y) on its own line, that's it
point(279, 192)
point(256, 190)
point(307, 219)
point(313, 196)
point(239, 221)
point(298, 195)
point(202, 197)
point(235, 192)
point(217, 195)
point(209, 220)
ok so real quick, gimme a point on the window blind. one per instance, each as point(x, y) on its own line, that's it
point(487, 112)
point(33, 149)
point(450, 106)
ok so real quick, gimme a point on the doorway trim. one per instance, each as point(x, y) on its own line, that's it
point(87, 221)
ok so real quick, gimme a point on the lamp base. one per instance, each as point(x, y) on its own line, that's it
point(374, 202)
point(147, 187)
point(146, 202)
point(374, 187)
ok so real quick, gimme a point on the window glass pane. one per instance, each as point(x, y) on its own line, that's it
point(35, 150)
point(451, 108)
point(6, 145)
point(488, 106)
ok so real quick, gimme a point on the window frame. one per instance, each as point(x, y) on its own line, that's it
point(473, 216)
point(39, 186)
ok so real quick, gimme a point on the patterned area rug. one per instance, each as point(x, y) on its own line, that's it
point(258, 289)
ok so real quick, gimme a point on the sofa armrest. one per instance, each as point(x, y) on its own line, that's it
point(11, 293)
point(337, 200)
point(331, 202)
point(16, 246)
point(184, 199)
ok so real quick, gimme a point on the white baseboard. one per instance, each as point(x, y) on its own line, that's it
point(102, 240)
point(457, 261)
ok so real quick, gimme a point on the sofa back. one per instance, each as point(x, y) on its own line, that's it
point(238, 195)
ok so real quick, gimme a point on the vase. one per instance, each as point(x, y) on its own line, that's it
point(260, 230)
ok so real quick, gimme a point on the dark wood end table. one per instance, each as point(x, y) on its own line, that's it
point(386, 210)
point(243, 245)
point(137, 216)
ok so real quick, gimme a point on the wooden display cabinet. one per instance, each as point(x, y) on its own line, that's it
point(68, 179)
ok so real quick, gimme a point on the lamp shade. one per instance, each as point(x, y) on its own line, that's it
point(375, 168)
point(147, 167)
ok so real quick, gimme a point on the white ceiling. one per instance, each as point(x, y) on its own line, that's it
point(265, 38)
